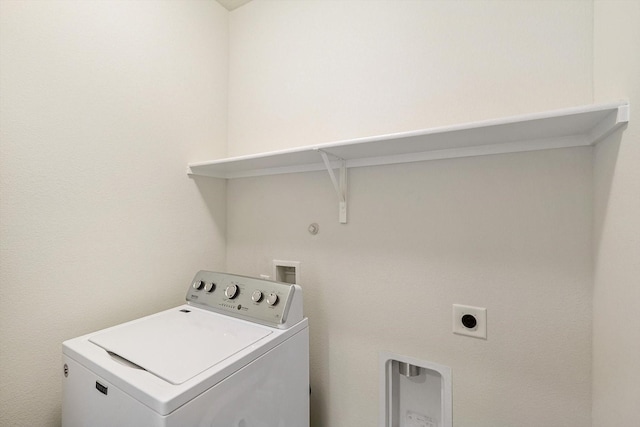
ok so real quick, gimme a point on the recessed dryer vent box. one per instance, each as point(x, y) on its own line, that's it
point(414, 393)
point(286, 271)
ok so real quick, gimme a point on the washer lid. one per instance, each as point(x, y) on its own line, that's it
point(179, 344)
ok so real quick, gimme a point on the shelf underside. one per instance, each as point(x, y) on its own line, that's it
point(581, 126)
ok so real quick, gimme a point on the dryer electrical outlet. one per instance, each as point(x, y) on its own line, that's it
point(470, 321)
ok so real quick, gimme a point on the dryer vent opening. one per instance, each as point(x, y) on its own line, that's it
point(286, 271)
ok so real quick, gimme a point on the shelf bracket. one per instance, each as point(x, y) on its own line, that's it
point(340, 186)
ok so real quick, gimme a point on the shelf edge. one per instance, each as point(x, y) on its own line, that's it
point(618, 117)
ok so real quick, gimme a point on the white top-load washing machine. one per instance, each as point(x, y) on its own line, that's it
point(235, 355)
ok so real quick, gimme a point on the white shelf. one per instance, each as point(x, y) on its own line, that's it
point(574, 127)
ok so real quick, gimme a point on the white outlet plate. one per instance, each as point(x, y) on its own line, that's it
point(480, 329)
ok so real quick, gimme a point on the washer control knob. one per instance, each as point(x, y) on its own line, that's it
point(198, 285)
point(231, 292)
point(272, 299)
point(256, 296)
point(210, 287)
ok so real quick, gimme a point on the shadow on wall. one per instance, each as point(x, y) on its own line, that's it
point(214, 196)
point(605, 159)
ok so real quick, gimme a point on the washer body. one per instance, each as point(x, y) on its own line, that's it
point(224, 359)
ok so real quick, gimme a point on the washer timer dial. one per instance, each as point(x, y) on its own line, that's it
point(231, 292)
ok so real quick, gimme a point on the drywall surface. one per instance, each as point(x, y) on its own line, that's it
point(102, 106)
point(616, 337)
point(305, 72)
point(511, 233)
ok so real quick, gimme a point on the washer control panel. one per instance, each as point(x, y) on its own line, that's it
point(249, 298)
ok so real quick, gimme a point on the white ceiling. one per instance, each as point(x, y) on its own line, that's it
point(233, 4)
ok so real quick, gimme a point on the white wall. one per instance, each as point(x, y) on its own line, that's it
point(102, 106)
point(311, 71)
point(512, 233)
point(616, 337)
